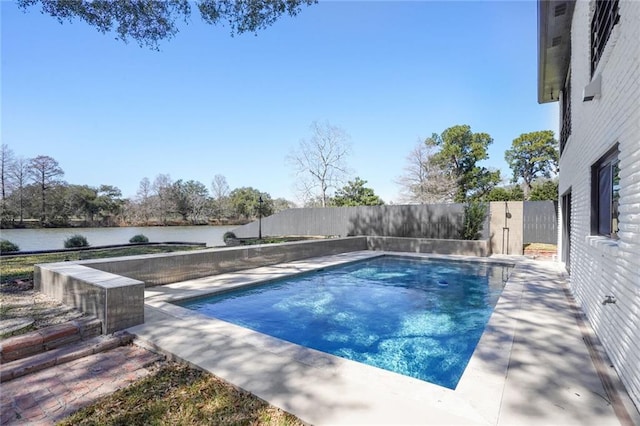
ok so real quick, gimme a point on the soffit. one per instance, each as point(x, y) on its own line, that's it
point(554, 47)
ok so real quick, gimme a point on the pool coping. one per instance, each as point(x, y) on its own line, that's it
point(321, 388)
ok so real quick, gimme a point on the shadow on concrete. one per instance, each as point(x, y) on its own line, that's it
point(551, 374)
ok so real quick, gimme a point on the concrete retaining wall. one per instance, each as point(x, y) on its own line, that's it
point(115, 300)
point(426, 245)
point(166, 268)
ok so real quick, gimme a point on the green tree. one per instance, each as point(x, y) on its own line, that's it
point(245, 202)
point(532, 155)
point(544, 190)
point(460, 152)
point(475, 214)
point(58, 210)
point(150, 21)
point(82, 201)
point(281, 204)
point(354, 193)
point(109, 202)
point(501, 193)
point(190, 198)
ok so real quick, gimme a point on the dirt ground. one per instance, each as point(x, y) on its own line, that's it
point(18, 300)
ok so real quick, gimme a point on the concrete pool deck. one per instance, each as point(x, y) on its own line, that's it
point(532, 365)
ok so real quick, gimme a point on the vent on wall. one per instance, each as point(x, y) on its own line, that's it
point(556, 41)
point(592, 90)
point(560, 10)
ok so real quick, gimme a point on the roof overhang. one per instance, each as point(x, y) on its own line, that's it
point(554, 47)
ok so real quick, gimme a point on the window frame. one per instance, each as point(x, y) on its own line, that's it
point(605, 17)
point(605, 194)
point(565, 122)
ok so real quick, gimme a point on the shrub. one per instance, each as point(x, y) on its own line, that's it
point(76, 241)
point(229, 237)
point(474, 216)
point(7, 246)
point(139, 239)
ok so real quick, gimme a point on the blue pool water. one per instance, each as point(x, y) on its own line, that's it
point(421, 318)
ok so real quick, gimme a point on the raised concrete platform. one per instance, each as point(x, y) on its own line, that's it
point(531, 366)
point(115, 300)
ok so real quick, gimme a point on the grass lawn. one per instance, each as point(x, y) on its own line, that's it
point(21, 267)
point(179, 395)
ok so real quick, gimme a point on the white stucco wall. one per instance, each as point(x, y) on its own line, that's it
point(601, 266)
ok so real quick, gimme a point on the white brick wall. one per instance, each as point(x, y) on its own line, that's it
point(600, 266)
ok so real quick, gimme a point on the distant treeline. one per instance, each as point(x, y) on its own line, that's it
point(34, 195)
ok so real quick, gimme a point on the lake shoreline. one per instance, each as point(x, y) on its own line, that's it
point(37, 239)
point(35, 224)
point(110, 246)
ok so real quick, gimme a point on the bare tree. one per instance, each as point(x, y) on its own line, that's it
point(6, 162)
point(320, 162)
point(220, 194)
point(19, 173)
point(144, 200)
point(219, 187)
point(44, 171)
point(162, 185)
point(425, 180)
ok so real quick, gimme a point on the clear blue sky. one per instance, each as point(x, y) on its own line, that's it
point(388, 73)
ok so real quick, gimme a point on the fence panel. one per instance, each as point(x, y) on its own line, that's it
point(417, 221)
point(540, 222)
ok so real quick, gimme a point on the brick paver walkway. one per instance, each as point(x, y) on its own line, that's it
point(47, 396)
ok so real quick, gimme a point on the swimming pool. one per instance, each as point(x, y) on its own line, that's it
point(420, 318)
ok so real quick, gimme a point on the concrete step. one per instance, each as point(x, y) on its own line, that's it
point(45, 339)
point(69, 352)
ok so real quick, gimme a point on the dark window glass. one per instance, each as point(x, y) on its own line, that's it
point(565, 131)
point(604, 200)
point(605, 195)
point(615, 197)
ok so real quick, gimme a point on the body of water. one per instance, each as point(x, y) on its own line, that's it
point(419, 318)
point(53, 238)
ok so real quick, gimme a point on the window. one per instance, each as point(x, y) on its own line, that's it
point(604, 18)
point(565, 130)
point(605, 194)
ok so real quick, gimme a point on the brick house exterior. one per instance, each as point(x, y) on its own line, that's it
point(589, 61)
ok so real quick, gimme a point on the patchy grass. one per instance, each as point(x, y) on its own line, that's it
point(540, 246)
point(180, 395)
point(175, 395)
point(21, 267)
point(21, 301)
